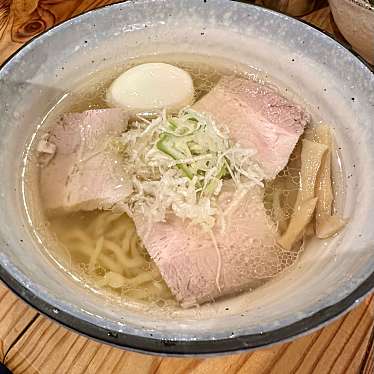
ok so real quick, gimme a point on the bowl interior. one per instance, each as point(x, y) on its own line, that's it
point(355, 20)
point(328, 80)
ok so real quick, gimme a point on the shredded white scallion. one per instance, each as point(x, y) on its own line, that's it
point(177, 165)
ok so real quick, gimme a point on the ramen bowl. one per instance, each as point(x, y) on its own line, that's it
point(330, 277)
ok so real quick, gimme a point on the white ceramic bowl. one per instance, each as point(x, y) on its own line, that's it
point(355, 20)
point(330, 277)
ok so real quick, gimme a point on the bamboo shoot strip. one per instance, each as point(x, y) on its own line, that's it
point(299, 220)
point(326, 223)
point(311, 156)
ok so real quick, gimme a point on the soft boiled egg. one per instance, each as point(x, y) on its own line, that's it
point(150, 87)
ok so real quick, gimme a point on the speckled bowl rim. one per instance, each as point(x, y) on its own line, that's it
point(182, 347)
point(361, 4)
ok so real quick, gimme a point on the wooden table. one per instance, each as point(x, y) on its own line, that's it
point(30, 343)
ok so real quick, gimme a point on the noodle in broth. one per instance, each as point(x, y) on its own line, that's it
point(110, 253)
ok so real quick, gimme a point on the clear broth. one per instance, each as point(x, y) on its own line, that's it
point(90, 94)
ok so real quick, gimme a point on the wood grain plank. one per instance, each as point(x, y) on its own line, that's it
point(342, 337)
point(321, 18)
point(294, 355)
point(20, 20)
point(352, 352)
point(263, 360)
point(330, 343)
point(49, 348)
point(4, 16)
point(177, 366)
point(15, 316)
point(226, 365)
point(367, 366)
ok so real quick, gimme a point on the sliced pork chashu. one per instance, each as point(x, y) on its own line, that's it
point(84, 173)
point(200, 266)
point(257, 117)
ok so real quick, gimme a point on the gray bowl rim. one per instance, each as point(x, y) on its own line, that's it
point(361, 4)
point(179, 348)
